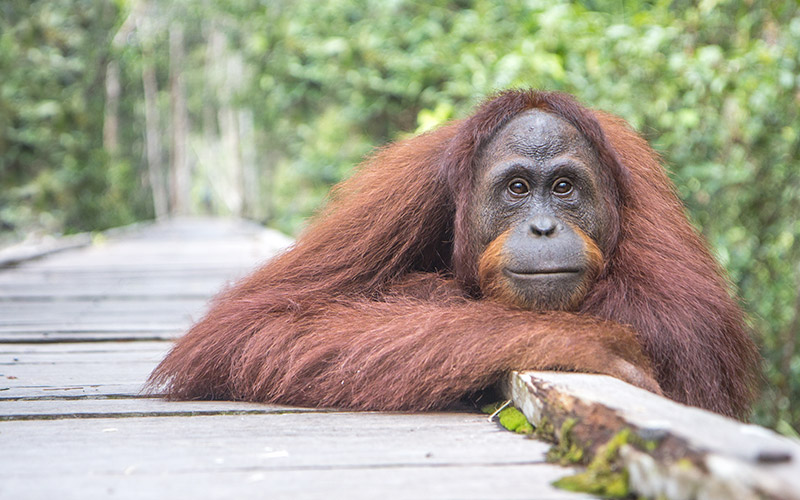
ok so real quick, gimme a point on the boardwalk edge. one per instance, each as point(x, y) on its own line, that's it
point(690, 453)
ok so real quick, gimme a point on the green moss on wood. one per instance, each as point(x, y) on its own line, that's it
point(567, 450)
point(604, 475)
point(510, 418)
point(514, 420)
point(545, 430)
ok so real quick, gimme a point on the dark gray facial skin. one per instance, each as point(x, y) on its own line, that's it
point(538, 180)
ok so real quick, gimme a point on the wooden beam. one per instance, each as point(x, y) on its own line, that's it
point(692, 453)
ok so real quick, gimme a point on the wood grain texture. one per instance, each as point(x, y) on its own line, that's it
point(694, 454)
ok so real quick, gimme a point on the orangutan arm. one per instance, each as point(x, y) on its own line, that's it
point(400, 353)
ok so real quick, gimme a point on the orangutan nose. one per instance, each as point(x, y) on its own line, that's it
point(543, 225)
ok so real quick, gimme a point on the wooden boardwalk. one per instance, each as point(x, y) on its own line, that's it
point(80, 331)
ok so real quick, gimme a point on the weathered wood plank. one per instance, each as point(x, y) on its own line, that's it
point(307, 455)
point(105, 368)
point(112, 266)
point(30, 286)
point(105, 389)
point(697, 454)
point(59, 316)
point(50, 381)
point(98, 315)
point(119, 407)
point(27, 251)
point(94, 322)
point(177, 244)
point(116, 327)
point(465, 482)
point(36, 351)
point(94, 374)
point(105, 307)
point(76, 354)
point(33, 274)
point(141, 291)
point(132, 255)
point(82, 336)
point(40, 271)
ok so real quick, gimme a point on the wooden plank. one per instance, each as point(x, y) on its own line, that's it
point(107, 389)
point(120, 266)
point(465, 482)
point(95, 372)
point(55, 351)
point(88, 281)
point(174, 245)
point(38, 276)
point(80, 379)
point(116, 327)
point(61, 313)
point(312, 439)
point(131, 255)
point(695, 453)
point(16, 254)
point(100, 336)
point(40, 271)
point(111, 353)
point(129, 291)
point(34, 276)
point(116, 321)
point(305, 455)
point(119, 407)
point(69, 312)
point(108, 306)
point(105, 370)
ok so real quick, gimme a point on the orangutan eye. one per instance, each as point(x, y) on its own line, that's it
point(518, 188)
point(562, 187)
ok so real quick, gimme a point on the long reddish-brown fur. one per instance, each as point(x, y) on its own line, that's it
point(377, 305)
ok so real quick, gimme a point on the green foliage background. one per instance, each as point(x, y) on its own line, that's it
point(712, 84)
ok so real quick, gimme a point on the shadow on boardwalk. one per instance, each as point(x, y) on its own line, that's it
point(81, 329)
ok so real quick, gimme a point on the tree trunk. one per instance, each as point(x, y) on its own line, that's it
point(155, 168)
point(111, 115)
point(250, 182)
point(180, 179)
